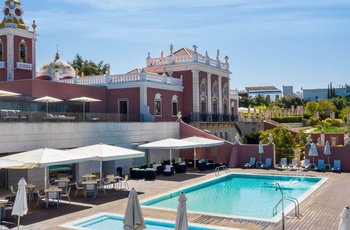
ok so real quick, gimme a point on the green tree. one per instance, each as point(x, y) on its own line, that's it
point(244, 102)
point(288, 101)
point(260, 100)
point(88, 67)
point(251, 138)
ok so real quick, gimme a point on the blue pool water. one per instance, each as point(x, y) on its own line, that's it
point(240, 195)
point(104, 221)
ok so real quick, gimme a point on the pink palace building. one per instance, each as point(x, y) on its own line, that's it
point(139, 106)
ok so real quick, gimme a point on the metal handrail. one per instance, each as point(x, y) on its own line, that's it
point(296, 206)
point(217, 170)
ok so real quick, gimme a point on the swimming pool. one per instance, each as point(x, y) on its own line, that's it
point(247, 196)
point(103, 221)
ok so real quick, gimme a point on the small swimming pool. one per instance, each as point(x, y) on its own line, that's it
point(104, 221)
point(249, 196)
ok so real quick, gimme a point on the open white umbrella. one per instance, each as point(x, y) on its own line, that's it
point(313, 152)
point(170, 144)
point(181, 215)
point(344, 223)
point(261, 149)
point(48, 100)
point(327, 150)
point(84, 100)
point(204, 142)
point(104, 152)
point(4, 93)
point(133, 219)
point(4, 163)
point(45, 157)
point(20, 207)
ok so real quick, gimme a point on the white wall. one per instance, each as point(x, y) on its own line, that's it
point(22, 136)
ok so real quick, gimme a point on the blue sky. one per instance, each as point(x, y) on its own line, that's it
point(268, 42)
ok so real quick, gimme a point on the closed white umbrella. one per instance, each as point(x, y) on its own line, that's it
point(313, 152)
point(47, 99)
point(133, 219)
point(181, 215)
point(261, 149)
point(344, 223)
point(327, 150)
point(20, 207)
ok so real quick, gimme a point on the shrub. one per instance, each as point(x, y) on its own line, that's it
point(313, 121)
point(289, 119)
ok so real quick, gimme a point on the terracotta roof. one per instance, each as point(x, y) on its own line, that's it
point(183, 51)
point(260, 88)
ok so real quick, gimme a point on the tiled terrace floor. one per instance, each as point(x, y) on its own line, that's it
point(320, 211)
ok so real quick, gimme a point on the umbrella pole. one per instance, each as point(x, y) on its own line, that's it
point(100, 173)
point(47, 107)
point(195, 158)
point(170, 158)
point(19, 217)
point(45, 177)
point(83, 110)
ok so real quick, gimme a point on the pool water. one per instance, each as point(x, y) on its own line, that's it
point(240, 195)
point(105, 221)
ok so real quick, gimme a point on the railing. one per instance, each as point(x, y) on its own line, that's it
point(191, 58)
point(2, 64)
point(296, 206)
point(22, 65)
point(221, 167)
point(124, 78)
point(25, 116)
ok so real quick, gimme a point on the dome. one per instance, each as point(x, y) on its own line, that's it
point(56, 70)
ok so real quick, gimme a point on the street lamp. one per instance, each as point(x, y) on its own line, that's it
point(279, 187)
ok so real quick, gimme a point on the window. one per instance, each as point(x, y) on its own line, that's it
point(174, 106)
point(1, 45)
point(215, 106)
point(203, 105)
point(225, 107)
point(277, 97)
point(158, 105)
point(22, 52)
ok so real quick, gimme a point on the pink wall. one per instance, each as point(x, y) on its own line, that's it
point(337, 153)
point(130, 94)
point(328, 136)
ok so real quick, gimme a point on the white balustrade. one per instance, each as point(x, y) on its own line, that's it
point(22, 65)
point(2, 64)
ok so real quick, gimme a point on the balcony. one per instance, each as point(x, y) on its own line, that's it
point(24, 66)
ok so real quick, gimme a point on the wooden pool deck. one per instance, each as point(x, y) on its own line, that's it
point(321, 210)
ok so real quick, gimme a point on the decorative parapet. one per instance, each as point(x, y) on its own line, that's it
point(124, 78)
point(191, 58)
point(25, 66)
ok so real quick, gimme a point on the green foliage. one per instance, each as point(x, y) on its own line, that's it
point(344, 112)
point(300, 138)
point(307, 115)
point(244, 102)
point(331, 122)
point(282, 138)
point(251, 138)
point(288, 101)
point(324, 107)
point(313, 121)
point(88, 67)
point(289, 119)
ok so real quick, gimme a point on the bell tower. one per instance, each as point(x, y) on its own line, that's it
point(17, 45)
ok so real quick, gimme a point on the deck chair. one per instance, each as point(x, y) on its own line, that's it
point(306, 165)
point(337, 166)
point(77, 188)
point(267, 164)
point(124, 181)
point(66, 194)
point(40, 196)
point(320, 165)
point(283, 164)
point(293, 165)
point(251, 163)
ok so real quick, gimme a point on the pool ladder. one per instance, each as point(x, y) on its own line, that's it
point(223, 167)
point(296, 206)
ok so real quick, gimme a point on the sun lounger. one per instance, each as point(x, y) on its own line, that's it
point(320, 165)
point(337, 166)
point(283, 164)
point(293, 165)
point(306, 165)
point(267, 164)
point(251, 163)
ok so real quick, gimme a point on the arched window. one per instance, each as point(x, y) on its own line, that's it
point(225, 107)
point(203, 105)
point(215, 106)
point(174, 106)
point(22, 52)
point(221, 135)
point(216, 134)
point(158, 105)
point(1, 48)
point(226, 136)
